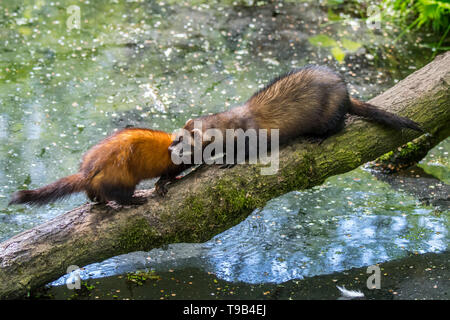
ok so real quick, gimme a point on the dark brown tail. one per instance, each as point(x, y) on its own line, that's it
point(367, 110)
point(58, 189)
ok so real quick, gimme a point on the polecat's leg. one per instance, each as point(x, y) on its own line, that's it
point(161, 184)
point(91, 195)
point(95, 197)
point(169, 177)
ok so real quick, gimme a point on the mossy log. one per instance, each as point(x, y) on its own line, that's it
point(407, 155)
point(211, 200)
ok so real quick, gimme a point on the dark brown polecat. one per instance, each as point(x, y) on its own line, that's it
point(310, 101)
point(111, 170)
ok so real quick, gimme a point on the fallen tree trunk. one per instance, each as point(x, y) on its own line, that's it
point(211, 200)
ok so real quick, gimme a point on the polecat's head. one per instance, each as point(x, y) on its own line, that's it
point(185, 139)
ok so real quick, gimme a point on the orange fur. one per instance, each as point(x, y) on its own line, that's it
point(111, 169)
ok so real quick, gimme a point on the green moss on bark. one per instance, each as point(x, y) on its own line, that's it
point(221, 206)
point(138, 235)
point(406, 155)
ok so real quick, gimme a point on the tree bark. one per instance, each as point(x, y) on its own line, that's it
point(211, 200)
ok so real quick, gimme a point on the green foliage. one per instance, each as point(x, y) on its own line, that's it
point(338, 48)
point(322, 40)
point(140, 277)
point(350, 46)
point(338, 54)
point(433, 14)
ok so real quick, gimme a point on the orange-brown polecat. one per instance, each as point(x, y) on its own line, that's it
point(310, 101)
point(111, 170)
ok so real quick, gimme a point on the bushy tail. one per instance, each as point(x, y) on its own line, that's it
point(367, 110)
point(58, 189)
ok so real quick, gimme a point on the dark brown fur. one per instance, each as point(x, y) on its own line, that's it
point(111, 170)
point(310, 101)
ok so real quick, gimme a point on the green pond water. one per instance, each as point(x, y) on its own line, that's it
point(156, 64)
